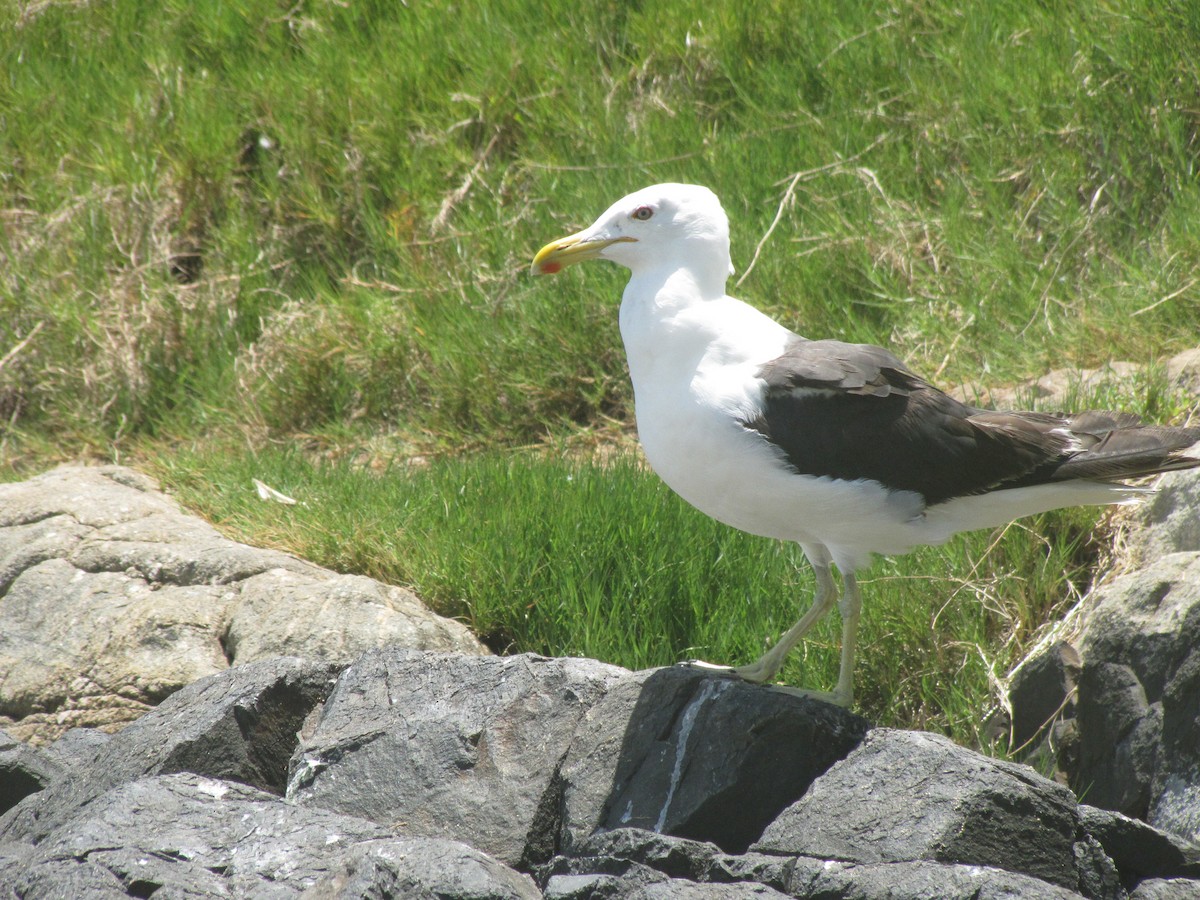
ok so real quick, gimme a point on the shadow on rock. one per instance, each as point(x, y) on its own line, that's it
point(683, 752)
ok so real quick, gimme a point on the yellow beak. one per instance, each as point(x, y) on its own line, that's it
point(574, 248)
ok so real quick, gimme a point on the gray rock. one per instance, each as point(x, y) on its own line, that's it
point(55, 879)
point(334, 617)
point(687, 890)
point(686, 753)
point(904, 796)
point(1167, 522)
point(78, 746)
point(459, 747)
point(1138, 697)
point(1042, 691)
point(111, 598)
point(630, 854)
point(1139, 850)
point(98, 649)
point(1119, 737)
point(185, 835)
point(918, 881)
point(1176, 791)
point(1098, 875)
point(24, 770)
point(240, 724)
point(632, 862)
point(1137, 620)
point(419, 869)
point(674, 857)
point(1166, 889)
point(626, 862)
point(601, 887)
point(639, 883)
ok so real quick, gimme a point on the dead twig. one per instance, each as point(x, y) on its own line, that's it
point(1171, 296)
point(791, 188)
point(459, 194)
point(21, 345)
point(856, 37)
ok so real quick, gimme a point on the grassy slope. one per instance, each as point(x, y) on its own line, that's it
point(994, 192)
point(242, 225)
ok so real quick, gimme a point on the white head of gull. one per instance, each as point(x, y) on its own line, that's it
point(836, 446)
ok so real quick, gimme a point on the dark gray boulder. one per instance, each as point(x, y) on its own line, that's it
point(543, 759)
point(419, 869)
point(1133, 743)
point(683, 752)
point(640, 883)
point(240, 724)
point(674, 857)
point(633, 862)
point(460, 747)
point(626, 863)
point(629, 854)
point(77, 746)
point(1138, 621)
point(523, 756)
point(918, 881)
point(1139, 850)
point(1175, 806)
point(904, 796)
point(1167, 522)
point(24, 770)
point(1138, 697)
point(12, 857)
point(600, 887)
point(1042, 691)
point(1166, 889)
point(185, 835)
point(1119, 737)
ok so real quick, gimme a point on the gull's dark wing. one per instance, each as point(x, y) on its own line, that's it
point(854, 411)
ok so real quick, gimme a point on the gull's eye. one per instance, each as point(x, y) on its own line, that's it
point(642, 213)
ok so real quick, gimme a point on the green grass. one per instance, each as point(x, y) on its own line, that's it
point(229, 228)
point(243, 215)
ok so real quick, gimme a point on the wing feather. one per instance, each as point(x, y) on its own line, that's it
point(854, 411)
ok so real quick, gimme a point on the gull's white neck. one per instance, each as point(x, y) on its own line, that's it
point(661, 315)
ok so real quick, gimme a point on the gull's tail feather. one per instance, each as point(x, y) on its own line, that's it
point(1116, 447)
point(1102, 452)
point(1093, 446)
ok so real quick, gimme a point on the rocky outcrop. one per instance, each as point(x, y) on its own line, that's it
point(629, 863)
point(202, 837)
point(905, 796)
point(112, 598)
point(526, 757)
point(412, 773)
point(464, 748)
point(363, 768)
point(23, 771)
point(1121, 701)
point(240, 725)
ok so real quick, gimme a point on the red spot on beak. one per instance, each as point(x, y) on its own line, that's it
point(551, 268)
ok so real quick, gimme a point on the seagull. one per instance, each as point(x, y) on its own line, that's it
point(836, 446)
